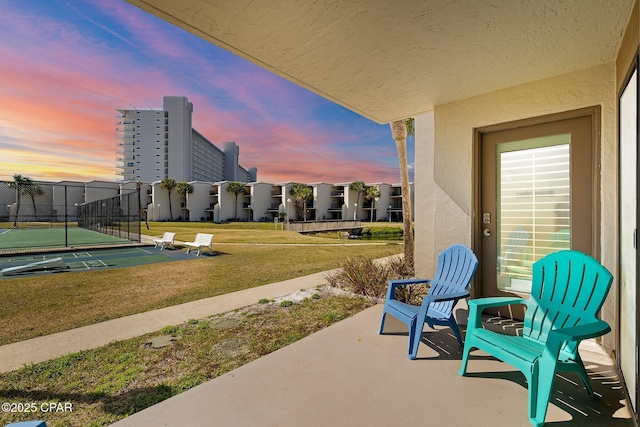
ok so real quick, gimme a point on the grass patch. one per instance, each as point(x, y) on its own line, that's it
point(106, 384)
point(260, 232)
point(41, 305)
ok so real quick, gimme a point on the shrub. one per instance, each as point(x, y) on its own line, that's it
point(366, 277)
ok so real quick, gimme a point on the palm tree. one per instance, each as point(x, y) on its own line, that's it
point(371, 193)
point(18, 183)
point(184, 188)
point(169, 184)
point(400, 129)
point(303, 194)
point(359, 188)
point(236, 188)
point(32, 189)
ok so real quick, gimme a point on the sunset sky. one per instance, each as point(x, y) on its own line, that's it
point(66, 66)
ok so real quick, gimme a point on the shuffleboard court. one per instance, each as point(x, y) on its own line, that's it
point(92, 260)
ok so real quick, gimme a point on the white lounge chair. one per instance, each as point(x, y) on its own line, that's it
point(202, 241)
point(166, 240)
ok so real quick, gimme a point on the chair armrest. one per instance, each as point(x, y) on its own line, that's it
point(426, 301)
point(445, 297)
point(582, 332)
point(482, 303)
point(393, 284)
point(476, 306)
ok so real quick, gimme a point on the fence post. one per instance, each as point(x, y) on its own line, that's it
point(66, 220)
point(139, 206)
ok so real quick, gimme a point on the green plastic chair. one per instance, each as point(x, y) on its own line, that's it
point(567, 293)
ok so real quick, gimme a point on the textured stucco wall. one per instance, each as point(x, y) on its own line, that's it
point(425, 196)
point(444, 158)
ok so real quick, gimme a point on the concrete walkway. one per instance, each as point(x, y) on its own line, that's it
point(348, 375)
point(16, 355)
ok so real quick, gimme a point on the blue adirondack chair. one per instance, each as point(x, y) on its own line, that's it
point(568, 290)
point(456, 266)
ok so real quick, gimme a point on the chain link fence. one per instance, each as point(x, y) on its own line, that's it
point(117, 216)
point(36, 215)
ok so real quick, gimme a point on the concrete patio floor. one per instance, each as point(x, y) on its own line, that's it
point(348, 375)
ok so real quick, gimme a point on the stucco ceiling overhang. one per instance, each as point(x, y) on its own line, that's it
point(388, 60)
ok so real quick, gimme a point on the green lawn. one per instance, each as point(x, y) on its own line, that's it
point(260, 232)
point(51, 303)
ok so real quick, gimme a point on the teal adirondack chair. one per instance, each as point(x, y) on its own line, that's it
point(456, 266)
point(567, 293)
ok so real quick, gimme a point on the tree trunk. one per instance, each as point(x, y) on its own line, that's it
point(373, 206)
point(33, 201)
point(399, 133)
point(15, 223)
point(235, 209)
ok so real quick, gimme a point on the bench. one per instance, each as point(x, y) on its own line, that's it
point(166, 240)
point(202, 240)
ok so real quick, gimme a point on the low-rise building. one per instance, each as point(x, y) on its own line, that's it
point(211, 201)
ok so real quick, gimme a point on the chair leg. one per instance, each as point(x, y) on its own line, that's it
point(415, 335)
point(582, 372)
point(381, 330)
point(456, 330)
point(468, 345)
point(540, 385)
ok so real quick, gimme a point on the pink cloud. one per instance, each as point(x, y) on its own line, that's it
point(63, 87)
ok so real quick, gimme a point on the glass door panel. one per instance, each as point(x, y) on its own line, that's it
point(534, 214)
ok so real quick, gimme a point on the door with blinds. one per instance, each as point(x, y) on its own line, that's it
point(538, 196)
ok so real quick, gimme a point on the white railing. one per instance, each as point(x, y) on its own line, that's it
point(321, 226)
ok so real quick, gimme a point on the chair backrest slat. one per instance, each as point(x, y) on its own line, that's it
point(456, 266)
point(568, 289)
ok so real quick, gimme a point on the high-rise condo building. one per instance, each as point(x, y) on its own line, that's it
point(156, 144)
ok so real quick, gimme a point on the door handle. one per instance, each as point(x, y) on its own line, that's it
point(486, 232)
